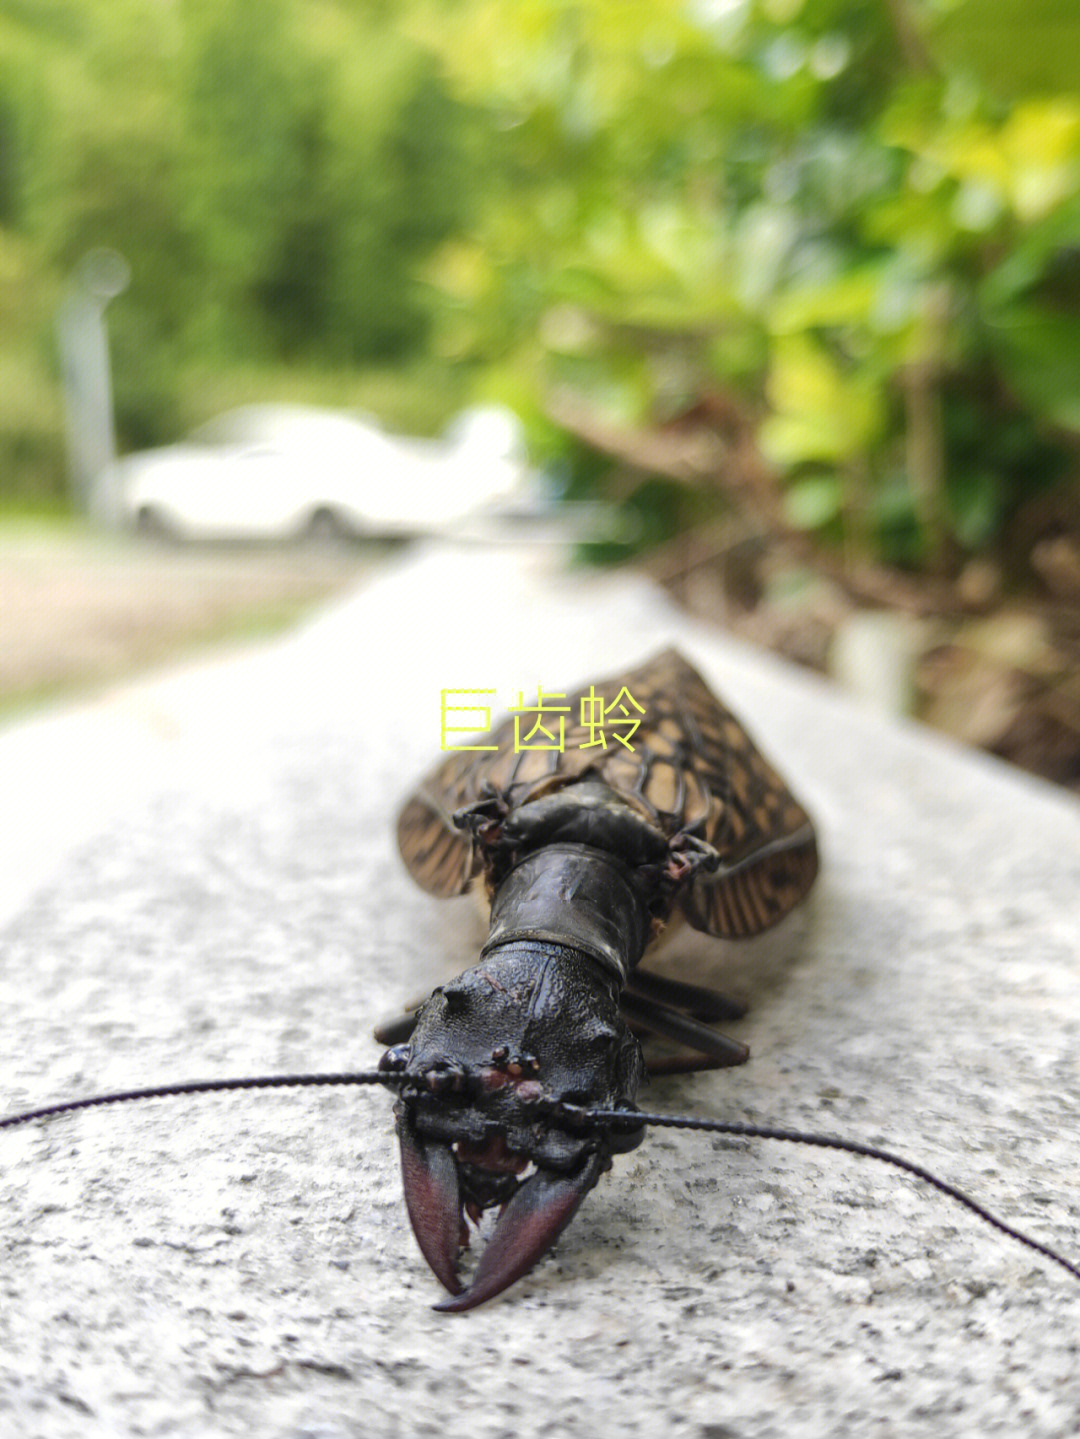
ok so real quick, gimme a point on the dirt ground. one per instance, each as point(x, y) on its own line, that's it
point(78, 608)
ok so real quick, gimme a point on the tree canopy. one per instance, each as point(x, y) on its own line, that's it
point(858, 223)
point(844, 232)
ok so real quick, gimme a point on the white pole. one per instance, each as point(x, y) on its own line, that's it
point(84, 353)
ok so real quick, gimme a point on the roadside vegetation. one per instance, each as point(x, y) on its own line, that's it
point(796, 282)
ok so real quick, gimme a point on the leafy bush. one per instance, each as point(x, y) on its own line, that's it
point(858, 223)
point(274, 174)
point(853, 226)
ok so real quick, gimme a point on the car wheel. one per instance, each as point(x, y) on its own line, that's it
point(327, 527)
point(152, 524)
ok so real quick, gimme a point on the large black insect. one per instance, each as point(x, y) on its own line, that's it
point(517, 1080)
point(587, 849)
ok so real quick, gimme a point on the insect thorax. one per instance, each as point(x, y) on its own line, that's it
point(577, 896)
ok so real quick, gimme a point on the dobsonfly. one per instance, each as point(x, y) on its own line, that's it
point(517, 1081)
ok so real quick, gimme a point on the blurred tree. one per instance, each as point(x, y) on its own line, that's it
point(315, 182)
point(273, 173)
point(841, 235)
point(838, 236)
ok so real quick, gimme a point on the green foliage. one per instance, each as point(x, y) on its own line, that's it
point(315, 182)
point(867, 214)
point(1015, 47)
point(274, 174)
point(858, 222)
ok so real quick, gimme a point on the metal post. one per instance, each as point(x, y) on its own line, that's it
point(84, 353)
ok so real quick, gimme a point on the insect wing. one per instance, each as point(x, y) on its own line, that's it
point(440, 858)
point(726, 793)
point(694, 768)
point(443, 859)
point(688, 764)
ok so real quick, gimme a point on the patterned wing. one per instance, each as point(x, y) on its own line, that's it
point(442, 859)
point(690, 765)
point(727, 793)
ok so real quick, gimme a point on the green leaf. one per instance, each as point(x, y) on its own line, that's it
point(847, 299)
point(1015, 47)
point(820, 411)
point(813, 502)
point(975, 505)
point(1039, 351)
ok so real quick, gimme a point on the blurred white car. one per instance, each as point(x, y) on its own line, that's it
point(276, 472)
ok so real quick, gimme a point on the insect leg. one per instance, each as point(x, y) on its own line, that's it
point(703, 1004)
point(719, 1048)
point(683, 1061)
point(397, 1028)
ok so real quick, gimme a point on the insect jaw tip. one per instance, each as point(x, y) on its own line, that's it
point(457, 1303)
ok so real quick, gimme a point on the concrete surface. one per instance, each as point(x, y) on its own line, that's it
point(199, 878)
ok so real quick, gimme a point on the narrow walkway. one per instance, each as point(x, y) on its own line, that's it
point(199, 878)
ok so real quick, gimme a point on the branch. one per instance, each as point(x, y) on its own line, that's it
point(718, 448)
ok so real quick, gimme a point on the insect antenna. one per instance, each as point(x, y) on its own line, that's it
point(204, 1086)
point(570, 1113)
point(629, 1118)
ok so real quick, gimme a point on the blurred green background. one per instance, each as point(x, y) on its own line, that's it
point(795, 282)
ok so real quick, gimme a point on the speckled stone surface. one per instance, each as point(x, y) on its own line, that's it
point(199, 878)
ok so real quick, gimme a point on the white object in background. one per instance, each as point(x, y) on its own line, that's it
point(278, 471)
point(84, 360)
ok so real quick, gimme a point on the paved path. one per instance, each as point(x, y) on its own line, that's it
point(82, 607)
point(199, 878)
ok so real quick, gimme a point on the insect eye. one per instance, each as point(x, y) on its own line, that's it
point(394, 1059)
